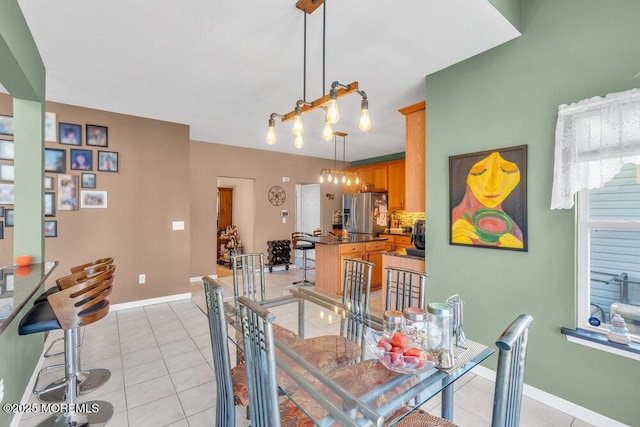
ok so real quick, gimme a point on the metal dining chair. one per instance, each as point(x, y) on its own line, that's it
point(405, 288)
point(260, 366)
point(507, 395)
point(231, 389)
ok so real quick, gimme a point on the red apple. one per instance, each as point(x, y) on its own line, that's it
point(399, 340)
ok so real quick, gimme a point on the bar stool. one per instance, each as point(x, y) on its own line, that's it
point(304, 247)
point(69, 309)
point(88, 380)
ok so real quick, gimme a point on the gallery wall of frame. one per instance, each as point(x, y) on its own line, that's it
point(75, 156)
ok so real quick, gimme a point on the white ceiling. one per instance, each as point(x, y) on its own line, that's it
point(223, 67)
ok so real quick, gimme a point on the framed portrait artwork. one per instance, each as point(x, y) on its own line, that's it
point(6, 194)
point(107, 161)
point(6, 150)
point(51, 228)
point(48, 183)
point(81, 159)
point(9, 217)
point(88, 180)
point(93, 199)
point(67, 192)
point(97, 136)
point(49, 203)
point(55, 160)
point(69, 134)
point(50, 127)
point(6, 172)
point(488, 199)
point(6, 125)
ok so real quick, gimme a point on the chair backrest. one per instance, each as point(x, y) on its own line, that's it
point(82, 275)
point(99, 261)
point(248, 276)
point(507, 396)
point(225, 408)
point(356, 291)
point(320, 233)
point(297, 235)
point(84, 303)
point(260, 363)
point(405, 288)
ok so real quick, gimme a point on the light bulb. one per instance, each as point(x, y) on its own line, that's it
point(298, 142)
point(335, 179)
point(333, 113)
point(298, 128)
point(327, 132)
point(271, 132)
point(321, 178)
point(365, 119)
point(344, 179)
point(329, 177)
point(357, 180)
point(348, 181)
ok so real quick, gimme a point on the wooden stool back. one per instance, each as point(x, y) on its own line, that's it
point(97, 262)
point(82, 275)
point(84, 303)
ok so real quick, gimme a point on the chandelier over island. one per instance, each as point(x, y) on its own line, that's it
point(336, 175)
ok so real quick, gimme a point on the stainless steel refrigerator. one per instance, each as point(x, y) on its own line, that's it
point(365, 213)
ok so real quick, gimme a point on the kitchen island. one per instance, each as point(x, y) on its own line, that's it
point(400, 259)
point(331, 252)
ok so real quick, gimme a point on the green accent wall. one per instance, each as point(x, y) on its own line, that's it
point(511, 10)
point(22, 73)
point(380, 159)
point(570, 50)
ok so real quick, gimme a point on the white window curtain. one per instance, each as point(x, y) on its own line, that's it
point(595, 138)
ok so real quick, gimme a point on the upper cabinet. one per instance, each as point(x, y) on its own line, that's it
point(415, 157)
point(395, 181)
point(384, 176)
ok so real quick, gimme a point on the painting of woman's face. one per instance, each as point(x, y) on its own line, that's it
point(492, 179)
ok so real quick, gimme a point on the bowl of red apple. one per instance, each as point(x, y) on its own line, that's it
point(399, 353)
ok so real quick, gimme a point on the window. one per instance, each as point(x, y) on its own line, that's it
point(609, 252)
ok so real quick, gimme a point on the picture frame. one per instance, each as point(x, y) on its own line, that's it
point(51, 228)
point(9, 217)
point(49, 203)
point(108, 161)
point(81, 159)
point(50, 127)
point(69, 134)
point(6, 194)
point(88, 180)
point(67, 192)
point(497, 220)
point(48, 183)
point(93, 199)
point(6, 125)
point(6, 172)
point(6, 150)
point(96, 136)
point(55, 160)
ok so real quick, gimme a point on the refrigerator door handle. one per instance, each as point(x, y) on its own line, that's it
point(354, 212)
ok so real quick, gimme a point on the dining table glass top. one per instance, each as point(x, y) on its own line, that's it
point(338, 381)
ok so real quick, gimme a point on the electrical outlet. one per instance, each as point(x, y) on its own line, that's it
point(142, 279)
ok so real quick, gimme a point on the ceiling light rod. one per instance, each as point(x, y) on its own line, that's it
point(339, 93)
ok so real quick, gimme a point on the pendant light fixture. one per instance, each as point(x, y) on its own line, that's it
point(328, 102)
point(336, 175)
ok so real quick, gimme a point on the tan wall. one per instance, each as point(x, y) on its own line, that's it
point(208, 161)
point(149, 191)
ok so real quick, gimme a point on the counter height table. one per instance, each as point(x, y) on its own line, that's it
point(364, 393)
point(17, 286)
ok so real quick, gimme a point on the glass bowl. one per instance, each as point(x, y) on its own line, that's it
point(398, 362)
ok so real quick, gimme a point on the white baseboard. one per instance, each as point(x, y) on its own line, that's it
point(199, 278)
point(556, 402)
point(150, 301)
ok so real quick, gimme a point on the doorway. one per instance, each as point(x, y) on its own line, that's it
point(236, 207)
point(307, 212)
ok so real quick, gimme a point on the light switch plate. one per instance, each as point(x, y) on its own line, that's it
point(178, 225)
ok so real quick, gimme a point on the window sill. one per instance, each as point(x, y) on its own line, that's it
point(600, 342)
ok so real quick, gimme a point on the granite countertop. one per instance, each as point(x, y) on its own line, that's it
point(337, 240)
point(403, 254)
point(396, 234)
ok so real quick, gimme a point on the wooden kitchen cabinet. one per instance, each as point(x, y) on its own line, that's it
point(397, 241)
point(379, 172)
point(373, 253)
point(395, 179)
point(415, 157)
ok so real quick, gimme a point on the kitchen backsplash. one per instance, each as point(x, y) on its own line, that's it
point(404, 219)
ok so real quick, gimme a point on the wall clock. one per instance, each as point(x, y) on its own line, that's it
point(277, 196)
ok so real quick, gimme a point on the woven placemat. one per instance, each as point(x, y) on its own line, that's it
point(463, 355)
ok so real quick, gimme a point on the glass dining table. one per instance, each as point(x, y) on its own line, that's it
point(362, 391)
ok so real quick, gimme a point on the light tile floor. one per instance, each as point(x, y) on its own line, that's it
point(161, 365)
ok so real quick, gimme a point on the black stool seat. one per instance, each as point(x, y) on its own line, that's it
point(40, 318)
point(43, 296)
